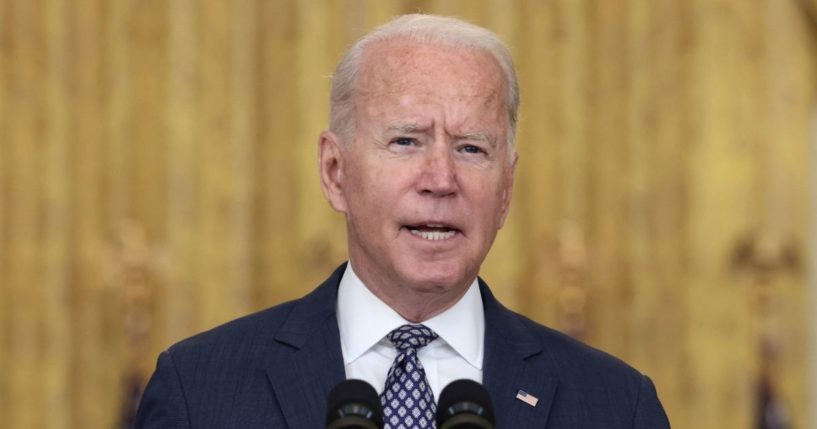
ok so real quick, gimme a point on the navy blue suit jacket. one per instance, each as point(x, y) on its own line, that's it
point(274, 369)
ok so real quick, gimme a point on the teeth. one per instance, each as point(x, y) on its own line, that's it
point(433, 235)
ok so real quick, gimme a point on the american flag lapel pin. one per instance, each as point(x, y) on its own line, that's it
point(527, 398)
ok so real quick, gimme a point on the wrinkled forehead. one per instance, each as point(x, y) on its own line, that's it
point(398, 66)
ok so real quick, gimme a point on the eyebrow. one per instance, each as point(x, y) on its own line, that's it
point(407, 128)
point(411, 128)
point(479, 136)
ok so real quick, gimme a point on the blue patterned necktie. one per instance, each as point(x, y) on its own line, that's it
point(408, 402)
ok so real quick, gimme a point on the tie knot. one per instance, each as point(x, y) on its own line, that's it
point(411, 336)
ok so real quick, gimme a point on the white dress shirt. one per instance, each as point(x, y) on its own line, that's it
point(364, 321)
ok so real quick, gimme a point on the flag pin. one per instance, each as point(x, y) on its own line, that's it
point(527, 398)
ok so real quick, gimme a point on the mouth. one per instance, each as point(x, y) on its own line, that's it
point(433, 231)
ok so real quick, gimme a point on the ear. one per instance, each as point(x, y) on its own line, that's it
point(330, 164)
point(507, 192)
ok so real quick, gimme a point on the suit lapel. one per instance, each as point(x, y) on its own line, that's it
point(509, 351)
point(311, 362)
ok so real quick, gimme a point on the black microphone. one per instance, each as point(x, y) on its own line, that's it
point(465, 404)
point(354, 404)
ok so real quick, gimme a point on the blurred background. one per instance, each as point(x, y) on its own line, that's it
point(158, 177)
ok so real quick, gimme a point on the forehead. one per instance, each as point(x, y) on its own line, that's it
point(396, 67)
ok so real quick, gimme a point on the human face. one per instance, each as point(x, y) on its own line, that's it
point(426, 181)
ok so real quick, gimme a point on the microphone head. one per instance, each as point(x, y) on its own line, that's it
point(465, 404)
point(354, 404)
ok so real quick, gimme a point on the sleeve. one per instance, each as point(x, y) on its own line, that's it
point(163, 404)
point(649, 414)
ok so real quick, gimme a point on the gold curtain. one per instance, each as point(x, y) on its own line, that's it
point(158, 177)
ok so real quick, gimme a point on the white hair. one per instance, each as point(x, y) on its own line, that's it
point(426, 29)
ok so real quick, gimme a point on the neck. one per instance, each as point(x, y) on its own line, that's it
point(418, 307)
point(413, 302)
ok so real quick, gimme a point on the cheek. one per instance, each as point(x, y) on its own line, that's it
point(368, 192)
point(489, 201)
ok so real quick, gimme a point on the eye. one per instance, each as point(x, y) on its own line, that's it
point(403, 141)
point(471, 149)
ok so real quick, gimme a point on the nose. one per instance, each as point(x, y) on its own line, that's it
point(439, 175)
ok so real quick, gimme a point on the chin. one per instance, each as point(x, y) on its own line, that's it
point(436, 277)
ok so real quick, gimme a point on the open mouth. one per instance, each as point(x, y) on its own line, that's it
point(432, 232)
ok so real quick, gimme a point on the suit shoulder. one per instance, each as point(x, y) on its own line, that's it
point(577, 359)
point(258, 327)
point(250, 339)
point(598, 381)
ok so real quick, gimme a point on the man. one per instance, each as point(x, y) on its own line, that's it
point(419, 158)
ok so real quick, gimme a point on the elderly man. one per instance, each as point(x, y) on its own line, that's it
point(419, 158)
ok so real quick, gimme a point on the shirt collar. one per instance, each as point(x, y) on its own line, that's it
point(363, 320)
